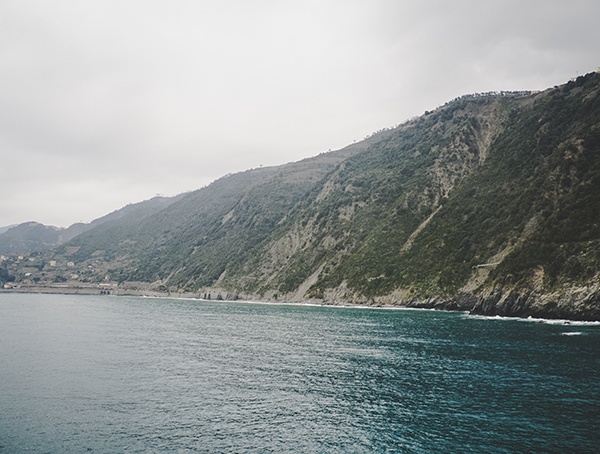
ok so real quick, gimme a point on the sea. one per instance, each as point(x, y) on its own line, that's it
point(107, 374)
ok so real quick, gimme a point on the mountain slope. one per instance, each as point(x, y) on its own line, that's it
point(30, 237)
point(489, 203)
point(371, 207)
point(190, 243)
point(489, 200)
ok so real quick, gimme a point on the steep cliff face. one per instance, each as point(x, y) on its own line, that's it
point(491, 203)
point(194, 241)
point(370, 210)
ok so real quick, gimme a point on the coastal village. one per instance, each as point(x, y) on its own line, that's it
point(29, 272)
point(36, 273)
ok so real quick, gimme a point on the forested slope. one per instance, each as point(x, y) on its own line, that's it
point(489, 203)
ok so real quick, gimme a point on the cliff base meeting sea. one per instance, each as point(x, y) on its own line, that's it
point(123, 374)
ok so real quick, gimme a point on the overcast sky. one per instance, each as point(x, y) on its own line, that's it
point(105, 103)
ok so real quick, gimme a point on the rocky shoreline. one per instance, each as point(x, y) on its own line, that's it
point(581, 304)
point(574, 303)
point(577, 304)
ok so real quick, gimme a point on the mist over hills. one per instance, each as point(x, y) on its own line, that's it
point(490, 203)
point(29, 237)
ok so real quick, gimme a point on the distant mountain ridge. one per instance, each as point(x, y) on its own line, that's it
point(29, 237)
point(5, 228)
point(490, 203)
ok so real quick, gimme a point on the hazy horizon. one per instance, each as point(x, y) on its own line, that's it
point(108, 103)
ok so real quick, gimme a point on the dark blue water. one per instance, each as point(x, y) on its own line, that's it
point(106, 374)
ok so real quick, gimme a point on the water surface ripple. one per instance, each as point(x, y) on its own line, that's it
point(107, 374)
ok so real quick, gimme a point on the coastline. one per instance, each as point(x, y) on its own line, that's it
point(574, 305)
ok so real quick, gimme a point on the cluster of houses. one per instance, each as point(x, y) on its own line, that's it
point(37, 271)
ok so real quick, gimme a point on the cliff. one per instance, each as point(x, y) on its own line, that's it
point(490, 203)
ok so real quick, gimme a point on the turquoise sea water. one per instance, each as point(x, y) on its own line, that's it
point(107, 374)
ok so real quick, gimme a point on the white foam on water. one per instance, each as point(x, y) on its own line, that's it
point(537, 320)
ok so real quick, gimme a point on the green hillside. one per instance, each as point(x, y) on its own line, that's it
point(192, 242)
point(29, 237)
point(489, 203)
point(488, 192)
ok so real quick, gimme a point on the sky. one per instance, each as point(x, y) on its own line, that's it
point(106, 103)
